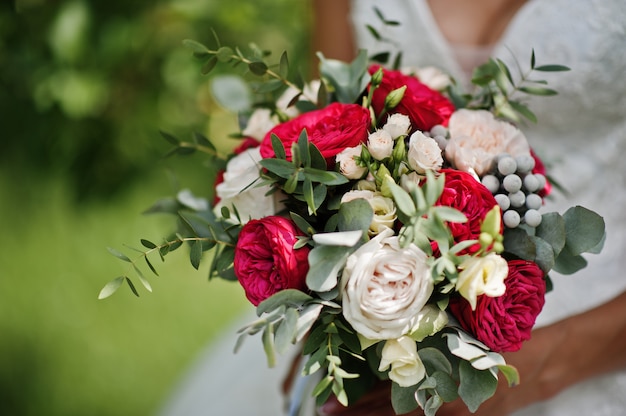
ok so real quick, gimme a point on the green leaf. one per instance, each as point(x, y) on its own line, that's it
point(568, 263)
point(171, 139)
point(511, 374)
point(475, 386)
point(355, 215)
point(196, 47)
point(446, 386)
point(544, 254)
point(268, 345)
point(284, 65)
point(279, 167)
point(536, 90)
point(111, 287)
point(132, 286)
point(119, 255)
point(403, 399)
point(148, 244)
point(209, 65)
point(434, 360)
point(403, 200)
point(195, 254)
point(151, 266)
point(286, 331)
point(308, 317)
point(257, 68)
point(326, 177)
point(344, 238)
point(517, 242)
point(307, 190)
point(551, 68)
point(523, 110)
point(584, 229)
point(224, 54)
point(325, 262)
point(286, 297)
point(302, 224)
point(278, 147)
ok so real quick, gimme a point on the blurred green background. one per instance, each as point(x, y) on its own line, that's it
point(85, 86)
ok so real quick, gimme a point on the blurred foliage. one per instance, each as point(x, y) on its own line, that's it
point(85, 86)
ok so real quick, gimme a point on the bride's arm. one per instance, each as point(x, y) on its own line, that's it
point(558, 356)
point(332, 29)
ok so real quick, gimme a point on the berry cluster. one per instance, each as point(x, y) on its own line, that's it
point(516, 189)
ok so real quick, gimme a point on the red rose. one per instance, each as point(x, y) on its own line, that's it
point(331, 129)
point(504, 322)
point(424, 106)
point(265, 260)
point(472, 198)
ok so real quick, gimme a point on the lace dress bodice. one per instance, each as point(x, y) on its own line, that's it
point(580, 135)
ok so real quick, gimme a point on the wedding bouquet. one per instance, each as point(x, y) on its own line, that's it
point(383, 220)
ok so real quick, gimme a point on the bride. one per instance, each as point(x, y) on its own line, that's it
point(575, 364)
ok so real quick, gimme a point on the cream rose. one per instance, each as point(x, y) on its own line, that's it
point(407, 369)
point(482, 276)
point(238, 188)
point(477, 137)
point(424, 153)
point(385, 287)
point(348, 165)
point(380, 144)
point(397, 125)
point(383, 207)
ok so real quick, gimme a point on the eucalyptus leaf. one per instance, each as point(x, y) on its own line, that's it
point(325, 262)
point(308, 317)
point(286, 330)
point(475, 386)
point(434, 360)
point(355, 215)
point(195, 254)
point(446, 386)
point(231, 92)
point(119, 255)
point(568, 263)
point(111, 287)
point(344, 238)
point(286, 297)
point(584, 229)
point(268, 345)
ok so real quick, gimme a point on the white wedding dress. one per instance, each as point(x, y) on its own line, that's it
point(581, 134)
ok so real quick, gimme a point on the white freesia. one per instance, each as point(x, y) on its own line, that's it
point(260, 122)
point(383, 207)
point(384, 287)
point(348, 165)
point(482, 276)
point(380, 144)
point(397, 125)
point(424, 153)
point(407, 369)
point(238, 187)
point(477, 137)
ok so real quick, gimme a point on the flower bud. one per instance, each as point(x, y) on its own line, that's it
point(393, 99)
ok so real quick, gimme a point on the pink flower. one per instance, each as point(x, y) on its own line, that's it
point(463, 192)
point(265, 260)
point(331, 129)
point(503, 323)
point(423, 105)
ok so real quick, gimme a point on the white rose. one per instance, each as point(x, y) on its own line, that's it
point(380, 144)
point(407, 368)
point(397, 125)
point(383, 207)
point(384, 287)
point(348, 165)
point(424, 153)
point(238, 187)
point(482, 276)
point(477, 137)
point(261, 121)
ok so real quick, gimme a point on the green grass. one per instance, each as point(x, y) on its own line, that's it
point(62, 351)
